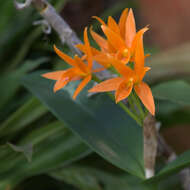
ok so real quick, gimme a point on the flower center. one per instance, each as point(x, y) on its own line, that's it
point(130, 82)
point(125, 52)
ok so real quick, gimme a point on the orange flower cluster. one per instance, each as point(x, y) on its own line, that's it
point(123, 45)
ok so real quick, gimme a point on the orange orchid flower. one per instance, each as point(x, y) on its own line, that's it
point(121, 38)
point(130, 79)
point(78, 71)
point(91, 51)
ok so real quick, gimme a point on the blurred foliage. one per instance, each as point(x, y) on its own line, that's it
point(37, 150)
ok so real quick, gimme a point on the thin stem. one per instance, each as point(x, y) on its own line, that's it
point(132, 105)
point(136, 100)
point(121, 104)
point(126, 109)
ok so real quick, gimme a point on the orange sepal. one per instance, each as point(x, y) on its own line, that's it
point(84, 82)
point(107, 85)
point(145, 94)
point(99, 19)
point(139, 56)
point(99, 40)
point(113, 25)
point(60, 84)
point(88, 48)
point(114, 39)
point(81, 65)
point(65, 57)
point(81, 47)
point(123, 91)
point(103, 60)
point(130, 29)
point(124, 70)
point(122, 22)
point(53, 75)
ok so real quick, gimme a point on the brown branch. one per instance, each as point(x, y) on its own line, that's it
point(150, 145)
point(66, 34)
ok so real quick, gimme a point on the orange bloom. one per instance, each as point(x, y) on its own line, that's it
point(130, 79)
point(78, 71)
point(91, 52)
point(121, 38)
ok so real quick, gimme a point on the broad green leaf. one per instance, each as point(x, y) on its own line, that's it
point(103, 125)
point(174, 91)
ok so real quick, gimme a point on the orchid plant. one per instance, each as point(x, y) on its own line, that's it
point(103, 102)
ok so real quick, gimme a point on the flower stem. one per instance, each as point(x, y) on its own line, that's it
point(136, 100)
point(132, 104)
point(121, 104)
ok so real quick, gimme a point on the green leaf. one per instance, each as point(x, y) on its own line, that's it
point(174, 91)
point(103, 125)
point(78, 177)
point(88, 178)
point(11, 80)
point(53, 146)
point(26, 114)
point(27, 150)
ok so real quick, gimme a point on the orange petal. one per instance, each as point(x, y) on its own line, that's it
point(88, 48)
point(139, 51)
point(99, 40)
point(111, 49)
point(53, 75)
point(114, 39)
point(70, 73)
point(123, 91)
point(102, 57)
point(100, 20)
point(124, 70)
point(103, 60)
point(138, 36)
point(84, 82)
point(65, 57)
point(113, 25)
point(145, 94)
point(142, 73)
point(76, 78)
point(130, 29)
point(94, 51)
point(60, 84)
point(80, 64)
point(107, 85)
point(81, 47)
point(122, 22)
